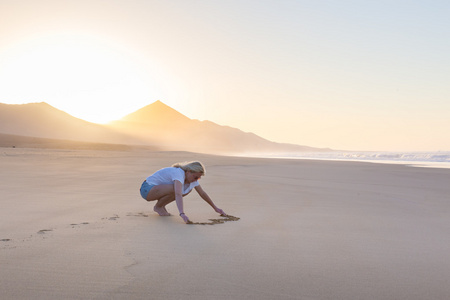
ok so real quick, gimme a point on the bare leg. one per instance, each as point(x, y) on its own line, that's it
point(160, 206)
point(164, 194)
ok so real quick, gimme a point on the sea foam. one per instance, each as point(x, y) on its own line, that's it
point(424, 159)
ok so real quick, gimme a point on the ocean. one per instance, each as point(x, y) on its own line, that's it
point(415, 159)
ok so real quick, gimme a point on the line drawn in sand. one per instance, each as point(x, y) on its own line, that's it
point(226, 218)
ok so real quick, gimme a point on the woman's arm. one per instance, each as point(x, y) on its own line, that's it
point(208, 200)
point(178, 189)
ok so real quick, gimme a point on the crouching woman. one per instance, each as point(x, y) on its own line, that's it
point(173, 183)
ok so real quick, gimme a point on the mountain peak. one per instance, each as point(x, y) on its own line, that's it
point(157, 112)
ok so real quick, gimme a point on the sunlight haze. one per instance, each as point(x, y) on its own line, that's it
point(353, 75)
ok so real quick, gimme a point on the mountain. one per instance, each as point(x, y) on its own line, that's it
point(45, 121)
point(155, 113)
point(156, 125)
point(160, 124)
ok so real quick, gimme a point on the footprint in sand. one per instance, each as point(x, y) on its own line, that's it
point(84, 223)
point(113, 218)
point(137, 215)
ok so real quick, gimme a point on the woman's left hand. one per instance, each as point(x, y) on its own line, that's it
point(221, 212)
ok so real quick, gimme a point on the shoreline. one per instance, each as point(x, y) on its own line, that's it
point(410, 163)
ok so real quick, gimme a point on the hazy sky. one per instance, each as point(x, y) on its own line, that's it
point(355, 75)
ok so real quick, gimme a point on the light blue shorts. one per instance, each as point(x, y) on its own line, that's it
point(145, 189)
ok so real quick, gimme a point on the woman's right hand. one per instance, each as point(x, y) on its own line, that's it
point(220, 212)
point(185, 218)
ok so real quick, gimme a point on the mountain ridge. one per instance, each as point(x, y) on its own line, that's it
point(157, 125)
point(42, 120)
point(156, 108)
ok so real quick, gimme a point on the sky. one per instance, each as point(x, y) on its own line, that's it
point(351, 75)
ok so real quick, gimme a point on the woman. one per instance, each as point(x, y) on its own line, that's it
point(173, 183)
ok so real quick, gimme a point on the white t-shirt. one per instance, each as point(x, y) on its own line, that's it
point(168, 176)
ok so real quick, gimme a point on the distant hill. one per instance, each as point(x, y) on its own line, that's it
point(45, 121)
point(156, 125)
point(162, 125)
point(156, 113)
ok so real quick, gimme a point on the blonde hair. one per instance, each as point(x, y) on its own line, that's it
point(192, 166)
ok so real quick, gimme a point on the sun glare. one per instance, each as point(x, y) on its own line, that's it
point(84, 76)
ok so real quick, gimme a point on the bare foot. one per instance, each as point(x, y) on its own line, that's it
point(161, 211)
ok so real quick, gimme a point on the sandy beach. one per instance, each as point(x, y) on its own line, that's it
point(73, 226)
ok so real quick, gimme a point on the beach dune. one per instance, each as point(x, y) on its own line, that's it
point(73, 226)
